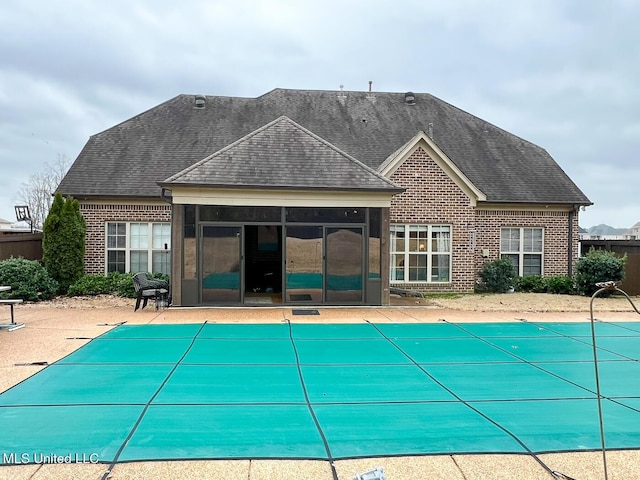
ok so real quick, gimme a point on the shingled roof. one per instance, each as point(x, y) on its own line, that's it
point(130, 159)
point(282, 154)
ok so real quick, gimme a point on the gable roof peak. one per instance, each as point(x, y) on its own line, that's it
point(422, 140)
point(282, 154)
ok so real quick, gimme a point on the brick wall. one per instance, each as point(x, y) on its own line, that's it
point(431, 197)
point(96, 216)
point(556, 231)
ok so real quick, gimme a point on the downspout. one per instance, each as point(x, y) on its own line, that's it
point(572, 215)
point(165, 197)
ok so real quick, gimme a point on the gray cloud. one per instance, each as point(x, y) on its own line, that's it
point(560, 74)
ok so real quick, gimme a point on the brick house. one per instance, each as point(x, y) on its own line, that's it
point(319, 197)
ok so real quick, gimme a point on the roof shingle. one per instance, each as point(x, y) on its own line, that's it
point(282, 154)
point(130, 159)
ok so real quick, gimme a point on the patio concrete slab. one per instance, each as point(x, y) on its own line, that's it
point(501, 467)
point(19, 472)
point(289, 470)
point(195, 469)
point(437, 467)
point(621, 465)
point(70, 472)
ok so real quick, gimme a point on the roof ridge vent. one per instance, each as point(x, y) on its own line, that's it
point(200, 101)
point(410, 98)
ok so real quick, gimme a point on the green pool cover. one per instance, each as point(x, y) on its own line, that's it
point(327, 391)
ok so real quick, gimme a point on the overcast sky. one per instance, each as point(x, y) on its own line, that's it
point(564, 74)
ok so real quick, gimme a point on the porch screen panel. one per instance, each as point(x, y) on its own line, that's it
point(375, 229)
point(189, 247)
point(221, 264)
point(303, 276)
point(344, 264)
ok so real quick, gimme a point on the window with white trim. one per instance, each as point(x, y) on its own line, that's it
point(420, 253)
point(525, 247)
point(138, 247)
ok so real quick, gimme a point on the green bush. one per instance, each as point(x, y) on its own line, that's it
point(115, 283)
point(530, 284)
point(90, 285)
point(28, 280)
point(63, 242)
point(122, 284)
point(496, 276)
point(561, 284)
point(598, 266)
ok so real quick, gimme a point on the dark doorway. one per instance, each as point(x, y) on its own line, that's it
point(263, 263)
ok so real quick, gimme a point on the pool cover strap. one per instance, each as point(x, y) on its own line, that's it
point(511, 434)
point(107, 473)
point(309, 406)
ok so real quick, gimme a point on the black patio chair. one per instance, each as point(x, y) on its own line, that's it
point(147, 288)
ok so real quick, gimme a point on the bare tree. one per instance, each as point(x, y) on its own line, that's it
point(38, 191)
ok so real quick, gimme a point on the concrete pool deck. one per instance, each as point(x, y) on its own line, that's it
point(52, 333)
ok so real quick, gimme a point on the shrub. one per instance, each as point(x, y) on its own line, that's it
point(598, 266)
point(530, 284)
point(115, 283)
point(90, 285)
point(28, 280)
point(63, 242)
point(561, 284)
point(122, 284)
point(497, 276)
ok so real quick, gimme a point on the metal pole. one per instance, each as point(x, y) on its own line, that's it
point(604, 287)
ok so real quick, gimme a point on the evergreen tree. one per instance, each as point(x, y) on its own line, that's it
point(63, 242)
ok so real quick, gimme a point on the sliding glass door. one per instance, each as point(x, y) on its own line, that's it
point(325, 260)
point(293, 262)
point(221, 249)
point(344, 264)
point(303, 268)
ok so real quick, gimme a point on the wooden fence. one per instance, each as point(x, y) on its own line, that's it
point(631, 282)
point(26, 245)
